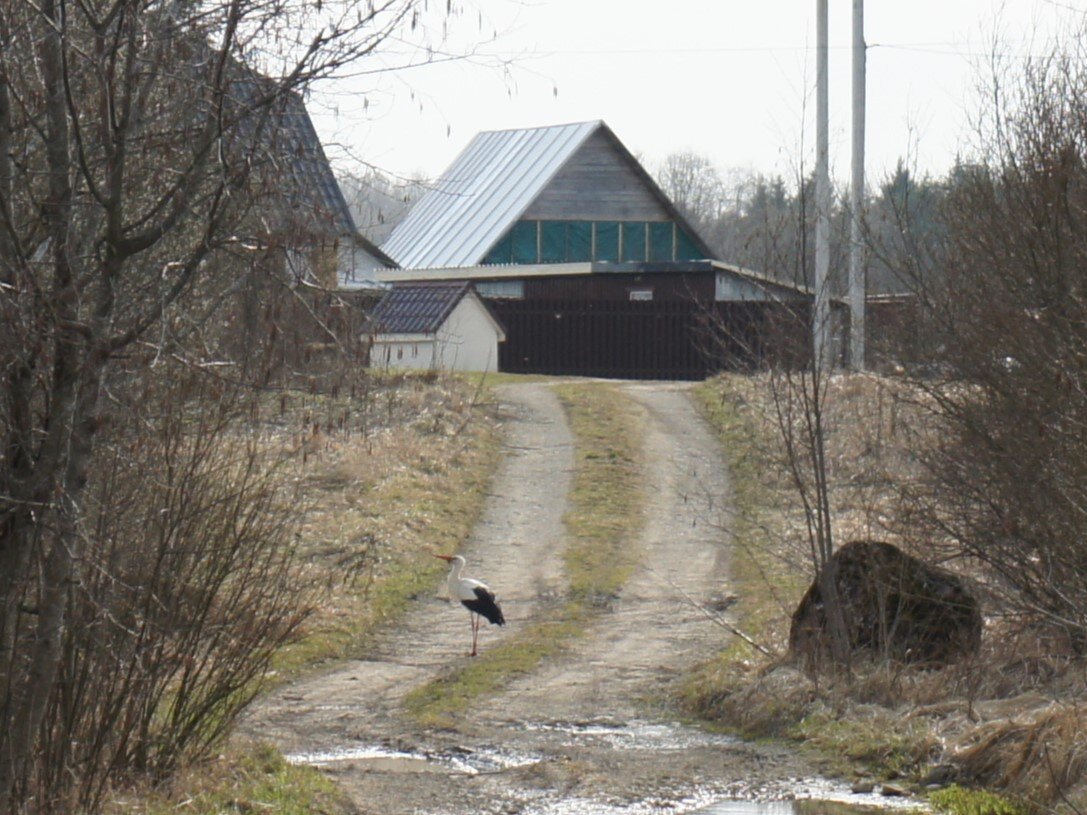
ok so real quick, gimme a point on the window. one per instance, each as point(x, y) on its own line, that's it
point(606, 241)
point(584, 241)
point(633, 241)
point(660, 240)
point(525, 242)
point(579, 241)
point(685, 247)
point(501, 289)
point(552, 241)
point(502, 251)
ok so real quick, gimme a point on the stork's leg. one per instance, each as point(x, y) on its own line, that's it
point(475, 632)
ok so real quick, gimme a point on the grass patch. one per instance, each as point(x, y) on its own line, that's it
point(256, 780)
point(606, 501)
point(895, 748)
point(605, 515)
point(956, 800)
point(764, 580)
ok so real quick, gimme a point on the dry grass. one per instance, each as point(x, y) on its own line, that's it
point(382, 501)
point(993, 716)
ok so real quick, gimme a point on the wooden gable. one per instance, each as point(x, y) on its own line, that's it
point(597, 183)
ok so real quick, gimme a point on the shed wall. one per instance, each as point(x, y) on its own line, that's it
point(468, 339)
point(413, 354)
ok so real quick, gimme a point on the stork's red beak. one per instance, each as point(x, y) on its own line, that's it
point(446, 558)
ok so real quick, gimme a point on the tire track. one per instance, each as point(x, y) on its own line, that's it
point(516, 547)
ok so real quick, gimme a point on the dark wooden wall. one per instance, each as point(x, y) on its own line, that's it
point(644, 340)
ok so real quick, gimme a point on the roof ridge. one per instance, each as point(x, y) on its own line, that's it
point(580, 123)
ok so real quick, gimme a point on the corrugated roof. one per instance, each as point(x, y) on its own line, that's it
point(483, 192)
point(418, 308)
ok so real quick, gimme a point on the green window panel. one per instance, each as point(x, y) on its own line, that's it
point(633, 241)
point(607, 241)
point(502, 251)
point(526, 248)
point(579, 241)
point(660, 240)
point(582, 241)
point(686, 248)
point(552, 241)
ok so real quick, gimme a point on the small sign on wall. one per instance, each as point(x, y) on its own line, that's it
point(641, 294)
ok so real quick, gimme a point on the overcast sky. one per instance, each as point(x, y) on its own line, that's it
point(731, 80)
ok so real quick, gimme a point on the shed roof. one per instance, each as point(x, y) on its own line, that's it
point(488, 187)
point(418, 308)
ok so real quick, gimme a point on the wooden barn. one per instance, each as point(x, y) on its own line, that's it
point(585, 261)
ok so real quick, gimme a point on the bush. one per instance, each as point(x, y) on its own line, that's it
point(186, 591)
point(1005, 313)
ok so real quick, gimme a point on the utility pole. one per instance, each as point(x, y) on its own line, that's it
point(857, 286)
point(821, 308)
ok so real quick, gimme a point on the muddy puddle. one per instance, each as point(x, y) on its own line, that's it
point(633, 735)
point(703, 803)
point(378, 757)
point(538, 744)
point(810, 806)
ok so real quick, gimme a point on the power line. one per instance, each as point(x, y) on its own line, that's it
point(942, 48)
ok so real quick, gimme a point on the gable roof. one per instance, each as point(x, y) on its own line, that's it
point(420, 308)
point(313, 184)
point(488, 187)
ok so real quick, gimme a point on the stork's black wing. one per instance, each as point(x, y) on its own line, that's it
point(485, 605)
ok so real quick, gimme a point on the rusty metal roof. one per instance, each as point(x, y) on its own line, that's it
point(418, 308)
point(483, 192)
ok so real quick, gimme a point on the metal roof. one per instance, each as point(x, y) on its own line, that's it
point(483, 192)
point(419, 308)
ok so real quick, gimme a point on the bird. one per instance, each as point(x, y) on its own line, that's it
point(473, 595)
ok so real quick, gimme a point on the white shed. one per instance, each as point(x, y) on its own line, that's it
point(435, 326)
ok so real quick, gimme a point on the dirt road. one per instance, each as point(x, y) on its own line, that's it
point(586, 733)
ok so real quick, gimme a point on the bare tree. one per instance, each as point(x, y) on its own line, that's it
point(1001, 299)
point(138, 143)
point(694, 185)
point(379, 201)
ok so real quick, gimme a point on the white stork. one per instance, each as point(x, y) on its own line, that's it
point(473, 595)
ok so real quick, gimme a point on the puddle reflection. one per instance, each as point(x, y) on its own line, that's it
point(808, 806)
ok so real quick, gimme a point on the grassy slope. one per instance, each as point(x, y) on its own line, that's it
point(380, 502)
point(604, 516)
point(738, 690)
